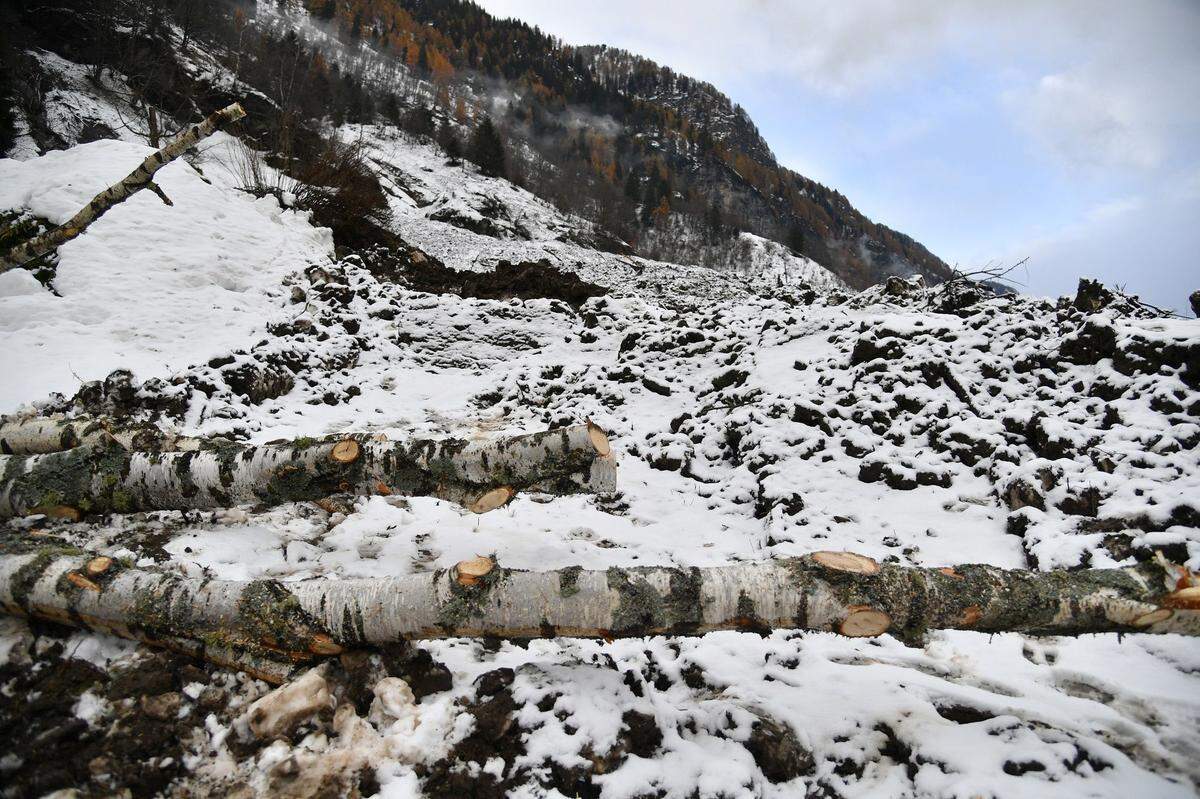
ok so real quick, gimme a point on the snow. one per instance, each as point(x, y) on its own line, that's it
point(439, 208)
point(771, 261)
point(91, 708)
point(149, 287)
point(76, 105)
point(747, 420)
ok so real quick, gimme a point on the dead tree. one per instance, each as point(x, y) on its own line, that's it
point(104, 477)
point(275, 625)
point(135, 181)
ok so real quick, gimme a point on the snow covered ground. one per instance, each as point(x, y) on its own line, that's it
point(123, 298)
point(469, 221)
point(751, 420)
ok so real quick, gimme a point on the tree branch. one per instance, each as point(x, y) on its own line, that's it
point(135, 181)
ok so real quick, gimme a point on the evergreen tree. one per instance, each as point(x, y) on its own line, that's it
point(419, 121)
point(487, 149)
point(795, 238)
point(391, 108)
point(714, 221)
point(633, 186)
point(447, 139)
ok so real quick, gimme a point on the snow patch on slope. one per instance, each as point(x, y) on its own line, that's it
point(148, 287)
point(772, 262)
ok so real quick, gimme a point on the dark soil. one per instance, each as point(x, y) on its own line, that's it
point(135, 747)
point(527, 281)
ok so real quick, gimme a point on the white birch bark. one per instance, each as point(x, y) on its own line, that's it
point(39, 435)
point(480, 475)
point(135, 181)
point(294, 622)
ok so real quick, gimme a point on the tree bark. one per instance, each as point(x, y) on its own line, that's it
point(103, 477)
point(135, 181)
point(39, 435)
point(266, 621)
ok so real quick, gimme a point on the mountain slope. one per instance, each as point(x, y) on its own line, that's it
point(912, 425)
point(630, 141)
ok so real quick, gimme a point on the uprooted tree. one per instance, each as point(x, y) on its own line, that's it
point(270, 627)
point(99, 475)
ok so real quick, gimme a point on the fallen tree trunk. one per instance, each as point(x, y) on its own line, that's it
point(135, 181)
point(103, 477)
point(268, 621)
point(39, 435)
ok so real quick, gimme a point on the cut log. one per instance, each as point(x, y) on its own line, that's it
point(471, 572)
point(267, 621)
point(865, 622)
point(846, 562)
point(135, 181)
point(99, 565)
point(39, 435)
point(345, 451)
point(496, 498)
point(481, 475)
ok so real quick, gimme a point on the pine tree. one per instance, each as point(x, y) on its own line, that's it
point(419, 121)
point(487, 149)
point(633, 186)
point(447, 139)
point(714, 220)
point(391, 108)
point(795, 238)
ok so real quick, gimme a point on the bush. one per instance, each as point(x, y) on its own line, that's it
point(338, 185)
point(332, 179)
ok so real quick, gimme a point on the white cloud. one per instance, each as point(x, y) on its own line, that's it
point(1107, 93)
point(1107, 90)
point(1144, 244)
point(832, 47)
point(1089, 122)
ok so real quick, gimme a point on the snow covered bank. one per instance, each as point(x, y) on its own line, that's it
point(149, 287)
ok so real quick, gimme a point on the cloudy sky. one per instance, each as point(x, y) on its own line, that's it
point(1067, 131)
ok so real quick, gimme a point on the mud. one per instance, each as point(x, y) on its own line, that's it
point(134, 745)
point(526, 281)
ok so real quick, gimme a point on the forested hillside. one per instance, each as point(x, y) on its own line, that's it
point(648, 154)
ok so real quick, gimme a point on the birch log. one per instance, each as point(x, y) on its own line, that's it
point(38, 435)
point(294, 622)
point(135, 181)
point(103, 477)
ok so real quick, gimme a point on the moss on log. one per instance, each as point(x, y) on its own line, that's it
point(288, 623)
point(104, 477)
